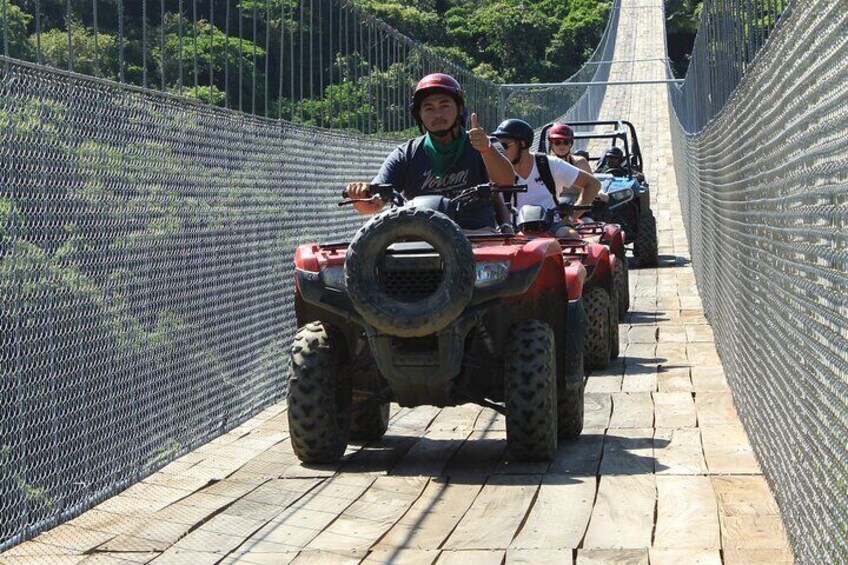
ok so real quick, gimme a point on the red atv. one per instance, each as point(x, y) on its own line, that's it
point(602, 283)
point(613, 237)
point(414, 311)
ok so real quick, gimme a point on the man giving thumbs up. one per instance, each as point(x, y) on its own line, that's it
point(445, 157)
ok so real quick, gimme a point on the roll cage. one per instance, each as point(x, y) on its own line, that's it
point(622, 130)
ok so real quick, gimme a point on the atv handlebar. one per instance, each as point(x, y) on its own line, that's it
point(388, 193)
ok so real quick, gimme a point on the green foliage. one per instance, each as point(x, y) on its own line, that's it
point(92, 54)
point(683, 16)
point(16, 21)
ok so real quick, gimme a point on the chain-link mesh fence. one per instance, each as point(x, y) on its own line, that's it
point(146, 252)
point(764, 190)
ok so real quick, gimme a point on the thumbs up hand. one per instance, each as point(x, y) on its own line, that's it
point(478, 137)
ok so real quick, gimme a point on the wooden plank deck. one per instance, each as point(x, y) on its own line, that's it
point(663, 473)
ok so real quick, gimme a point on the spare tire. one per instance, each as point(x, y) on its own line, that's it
point(427, 308)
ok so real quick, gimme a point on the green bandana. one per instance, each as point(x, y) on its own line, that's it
point(443, 156)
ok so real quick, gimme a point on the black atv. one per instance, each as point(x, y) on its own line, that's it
point(629, 202)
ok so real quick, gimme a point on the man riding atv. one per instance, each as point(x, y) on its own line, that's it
point(547, 178)
point(447, 157)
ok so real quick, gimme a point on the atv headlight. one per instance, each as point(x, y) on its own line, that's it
point(620, 195)
point(491, 272)
point(333, 277)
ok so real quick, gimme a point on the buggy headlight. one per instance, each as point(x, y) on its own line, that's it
point(491, 272)
point(620, 195)
point(333, 277)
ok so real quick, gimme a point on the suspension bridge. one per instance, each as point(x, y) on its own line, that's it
point(145, 276)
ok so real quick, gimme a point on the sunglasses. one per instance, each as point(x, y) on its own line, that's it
point(562, 141)
point(506, 146)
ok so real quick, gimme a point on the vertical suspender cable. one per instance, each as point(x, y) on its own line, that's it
point(226, 55)
point(267, 51)
point(37, 29)
point(211, 51)
point(70, 35)
point(254, 71)
point(282, 53)
point(179, 43)
point(162, 44)
point(121, 42)
point(95, 34)
point(194, 37)
point(240, 57)
point(144, 43)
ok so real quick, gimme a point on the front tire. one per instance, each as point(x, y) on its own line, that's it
point(596, 351)
point(530, 392)
point(319, 395)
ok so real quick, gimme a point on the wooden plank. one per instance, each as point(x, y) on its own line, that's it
point(489, 420)
point(643, 334)
point(672, 354)
point(759, 557)
point(401, 557)
point(702, 354)
point(632, 410)
point(307, 517)
point(639, 378)
point(278, 558)
point(623, 517)
point(432, 517)
point(537, 556)
point(501, 506)
point(687, 514)
point(479, 454)
point(605, 382)
point(715, 408)
point(628, 451)
point(685, 556)
point(699, 332)
point(473, 557)
point(641, 354)
point(674, 379)
point(727, 450)
point(456, 418)
point(328, 558)
point(580, 457)
point(430, 454)
point(382, 456)
point(671, 333)
point(547, 526)
point(710, 378)
point(597, 409)
point(413, 420)
point(674, 410)
point(679, 452)
point(750, 517)
point(612, 557)
point(372, 515)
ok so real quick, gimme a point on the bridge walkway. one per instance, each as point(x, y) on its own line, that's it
point(663, 474)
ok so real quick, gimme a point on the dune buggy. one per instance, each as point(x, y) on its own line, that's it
point(412, 310)
point(629, 202)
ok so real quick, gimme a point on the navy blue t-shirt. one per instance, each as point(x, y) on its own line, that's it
point(409, 169)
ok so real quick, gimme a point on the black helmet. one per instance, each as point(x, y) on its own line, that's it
point(614, 152)
point(515, 129)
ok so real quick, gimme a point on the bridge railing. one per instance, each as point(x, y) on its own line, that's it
point(759, 147)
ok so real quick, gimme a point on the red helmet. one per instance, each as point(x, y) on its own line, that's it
point(435, 83)
point(560, 131)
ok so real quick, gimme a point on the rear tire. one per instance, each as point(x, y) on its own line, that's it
point(369, 420)
point(319, 395)
point(646, 246)
point(530, 392)
point(613, 322)
point(596, 351)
